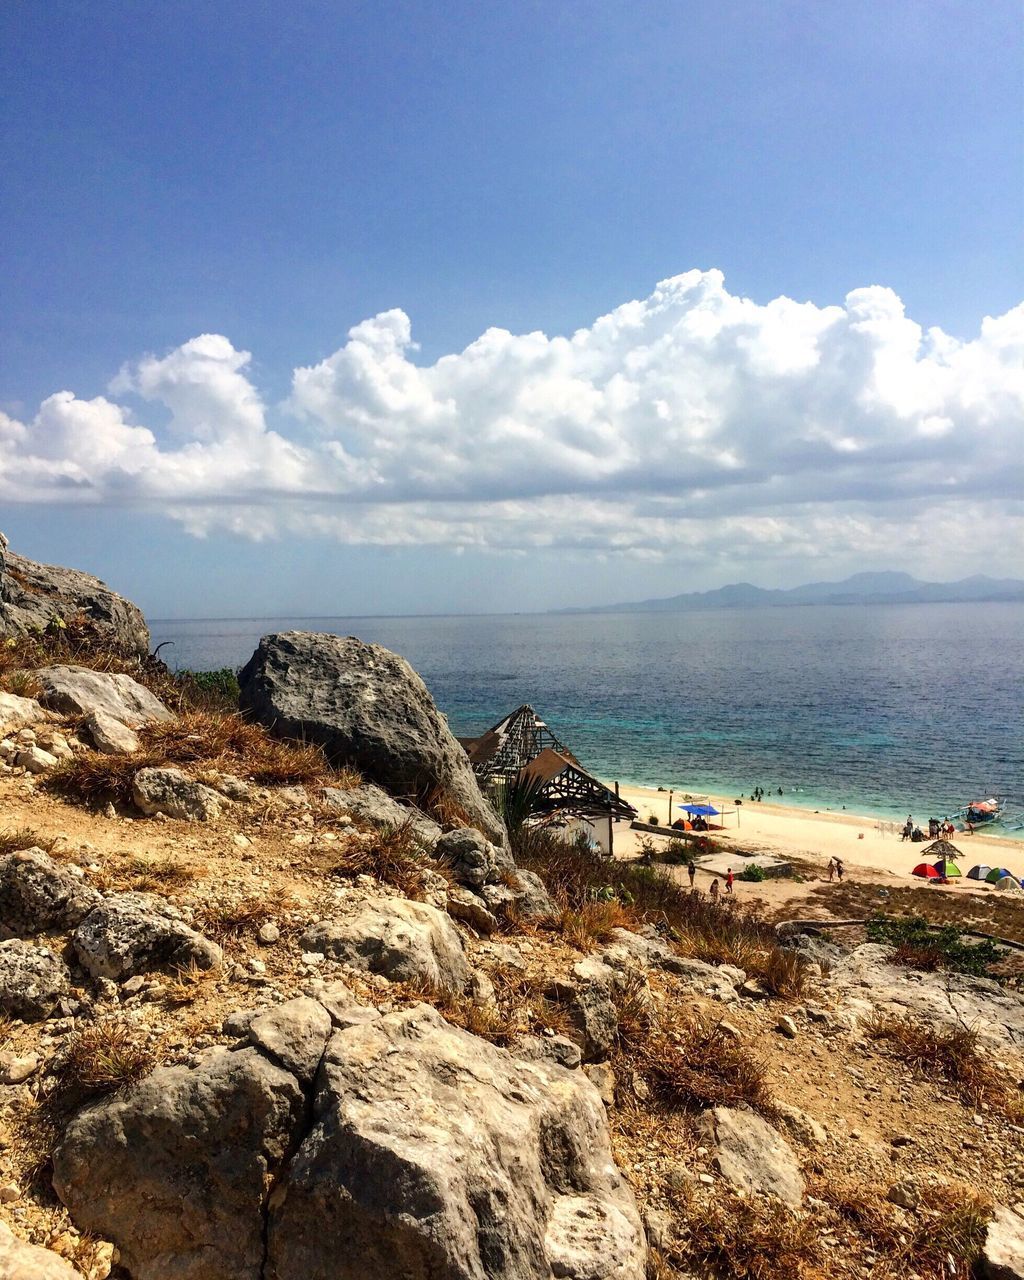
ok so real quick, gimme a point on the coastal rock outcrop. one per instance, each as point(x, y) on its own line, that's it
point(402, 940)
point(368, 708)
point(490, 1166)
point(80, 691)
point(176, 1170)
point(132, 933)
point(36, 895)
point(32, 980)
point(32, 596)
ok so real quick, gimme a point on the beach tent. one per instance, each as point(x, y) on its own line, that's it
point(980, 872)
point(1008, 882)
point(996, 874)
point(926, 871)
point(700, 810)
point(948, 869)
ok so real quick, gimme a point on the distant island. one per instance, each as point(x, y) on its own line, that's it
point(861, 588)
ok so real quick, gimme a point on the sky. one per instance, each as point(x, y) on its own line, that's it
point(353, 308)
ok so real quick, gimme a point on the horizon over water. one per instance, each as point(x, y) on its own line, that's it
point(883, 709)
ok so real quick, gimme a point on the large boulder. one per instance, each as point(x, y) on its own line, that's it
point(171, 792)
point(472, 859)
point(402, 940)
point(32, 980)
point(132, 933)
point(368, 708)
point(36, 894)
point(32, 596)
point(80, 691)
point(752, 1157)
point(435, 1154)
point(20, 1260)
point(176, 1171)
point(17, 713)
point(375, 806)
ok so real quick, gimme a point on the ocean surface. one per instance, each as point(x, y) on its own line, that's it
point(884, 709)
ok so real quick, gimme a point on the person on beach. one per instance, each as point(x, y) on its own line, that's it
point(729, 878)
point(714, 890)
point(691, 871)
point(840, 870)
point(831, 870)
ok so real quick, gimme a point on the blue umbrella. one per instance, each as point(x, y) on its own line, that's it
point(700, 810)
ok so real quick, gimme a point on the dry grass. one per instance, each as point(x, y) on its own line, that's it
point(698, 1066)
point(592, 923)
point(186, 985)
point(740, 1239)
point(391, 855)
point(521, 1007)
point(719, 933)
point(104, 1057)
point(951, 1055)
point(93, 778)
point(24, 838)
point(231, 744)
point(231, 921)
point(940, 1240)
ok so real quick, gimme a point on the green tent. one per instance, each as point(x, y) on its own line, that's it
point(948, 869)
point(996, 874)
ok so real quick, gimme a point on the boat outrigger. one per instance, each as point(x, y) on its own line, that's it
point(978, 812)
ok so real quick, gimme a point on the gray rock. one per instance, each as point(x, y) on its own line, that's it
point(34, 595)
point(464, 905)
point(589, 1004)
point(20, 1260)
point(368, 708)
point(373, 805)
point(865, 982)
point(433, 1153)
point(32, 981)
point(80, 691)
point(906, 1194)
point(35, 760)
point(110, 735)
point(799, 1125)
point(787, 1026)
point(602, 1076)
point(293, 1034)
point(524, 894)
point(342, 1006)
point(172, 792)
point(752, 1156)
point(133, 933)
point(405, 941)
point(17, 712)
point(559, 1049)
point(175, 1171)
point(1002, 1256)
point(471, 858)
point(36, 894)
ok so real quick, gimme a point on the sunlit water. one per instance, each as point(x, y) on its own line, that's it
point(883, 709)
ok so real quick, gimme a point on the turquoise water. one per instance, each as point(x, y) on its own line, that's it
point(884, 709)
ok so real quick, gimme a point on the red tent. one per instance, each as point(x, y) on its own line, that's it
point(926, 871)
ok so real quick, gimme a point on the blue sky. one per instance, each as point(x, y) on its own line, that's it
point(277, 175)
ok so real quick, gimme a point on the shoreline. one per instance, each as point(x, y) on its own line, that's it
point(862, 841)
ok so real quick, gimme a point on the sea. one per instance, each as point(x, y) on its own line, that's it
point(884, 710)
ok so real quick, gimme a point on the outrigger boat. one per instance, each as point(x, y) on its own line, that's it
point(978, 812)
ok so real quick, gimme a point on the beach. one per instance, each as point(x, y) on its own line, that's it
point(863, 843)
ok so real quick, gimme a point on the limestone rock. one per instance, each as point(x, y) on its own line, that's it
point(133, 933)
point(342, 1006)
point(435, 1153)
point(373, 805)
point(752, 1156)
point(110, 735)
point(32, 980)
point(20, 1260)
point(466, 906)
point(80, 691)
point(588, 1001)
point(471, 858)
point(32, 596)
point(1002, 1256)
point(799, 1125)
point(172, 792)
point(523, 893)
point(293, 1034)
point(36, 894)
point(368, 708)
point(35, 760)
point(559, 1049)
point(17, 712)
point(175, 1170)
point(405, 941)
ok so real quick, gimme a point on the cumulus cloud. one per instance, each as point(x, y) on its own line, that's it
point(687, 422)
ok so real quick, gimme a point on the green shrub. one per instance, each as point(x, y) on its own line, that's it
point(210, 689)
point(753, 874)
point(920, 946)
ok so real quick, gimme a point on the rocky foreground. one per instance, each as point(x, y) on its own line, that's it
point(282, 997)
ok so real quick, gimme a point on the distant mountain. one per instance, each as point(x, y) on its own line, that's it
point(861, 588)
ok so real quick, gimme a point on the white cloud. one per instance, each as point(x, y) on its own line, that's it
point(692, 423)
